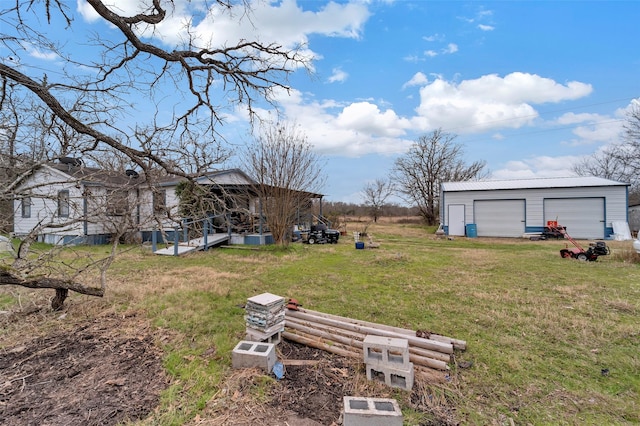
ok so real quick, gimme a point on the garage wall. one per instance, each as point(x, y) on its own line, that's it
point(582, 217)
point(615, 203)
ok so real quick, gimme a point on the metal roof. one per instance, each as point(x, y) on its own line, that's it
point(559, 182)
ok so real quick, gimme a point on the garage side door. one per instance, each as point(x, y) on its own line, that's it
point(499, 218)
point(583, 217)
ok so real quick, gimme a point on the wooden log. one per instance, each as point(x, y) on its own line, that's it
point(356, 345)
point(300, 362)
point(434, 345)
point(319, 345)
point(338, 332)
point(458, 344)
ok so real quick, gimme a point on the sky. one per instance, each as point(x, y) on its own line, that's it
point(530, 87)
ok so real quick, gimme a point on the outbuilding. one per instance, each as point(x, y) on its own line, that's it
point(587, 206)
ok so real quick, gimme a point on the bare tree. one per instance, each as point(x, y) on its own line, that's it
point(92, 103)
point(375, 195)
point(433, 159)
point(620, 161)
point(288, 175)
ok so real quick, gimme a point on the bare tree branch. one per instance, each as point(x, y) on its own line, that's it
point(433, 159)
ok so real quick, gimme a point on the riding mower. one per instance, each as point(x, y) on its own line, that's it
point(599, 248)
point(319, 234)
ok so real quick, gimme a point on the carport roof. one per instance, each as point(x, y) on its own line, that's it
point(564, 182)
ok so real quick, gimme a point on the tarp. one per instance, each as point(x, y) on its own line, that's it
point(621, 231)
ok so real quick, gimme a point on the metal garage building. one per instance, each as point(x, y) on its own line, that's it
point(586, 206)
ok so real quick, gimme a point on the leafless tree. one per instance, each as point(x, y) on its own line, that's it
point(288, 175)
point(620, 161)
point(92, 103)
point(433, 159)
point(375, 195)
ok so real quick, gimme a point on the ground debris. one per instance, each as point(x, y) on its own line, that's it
point(90, 375)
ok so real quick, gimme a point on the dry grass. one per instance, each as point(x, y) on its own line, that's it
point(540, 328)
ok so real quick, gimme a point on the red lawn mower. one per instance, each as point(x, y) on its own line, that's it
point(599, 248)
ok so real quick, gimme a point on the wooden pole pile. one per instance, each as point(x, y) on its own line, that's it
point(344, 336)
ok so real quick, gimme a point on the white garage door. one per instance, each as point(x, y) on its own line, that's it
point(499, 218)
point(583, 217)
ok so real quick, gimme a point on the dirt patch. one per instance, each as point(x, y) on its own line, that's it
point(92, 375)
point(109, 371)
point(311, 393)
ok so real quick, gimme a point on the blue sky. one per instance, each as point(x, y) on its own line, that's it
point(529, 87)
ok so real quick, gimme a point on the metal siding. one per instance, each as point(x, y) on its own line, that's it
point(544, 183)
point(583, 217)
point(500, 218)
point(615, 196)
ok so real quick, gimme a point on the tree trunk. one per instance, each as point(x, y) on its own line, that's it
point(58, 301)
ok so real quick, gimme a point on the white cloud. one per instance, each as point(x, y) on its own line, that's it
point(338, 76)
point(418, 79)
point(434, 37)
point(591, 128)
point(537, 167)
point(284, 23)
point(360, 127)
point(349, 130)
point(451, 48)
point(430, 53)
point(486, 27)
point(490, 101)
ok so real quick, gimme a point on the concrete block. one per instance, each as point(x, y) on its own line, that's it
point(389, 351)
point(254, 335)
point(395, 377)
point(254, 355)
point(360, 411)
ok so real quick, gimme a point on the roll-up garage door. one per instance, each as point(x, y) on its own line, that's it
point(583, 217)
point(499, 218)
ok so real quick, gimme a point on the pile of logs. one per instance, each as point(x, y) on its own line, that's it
point(343, 336)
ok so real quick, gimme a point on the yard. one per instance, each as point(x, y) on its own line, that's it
point(549, 340)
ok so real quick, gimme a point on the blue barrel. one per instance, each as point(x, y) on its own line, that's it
point(471, 231)
point(359, 245)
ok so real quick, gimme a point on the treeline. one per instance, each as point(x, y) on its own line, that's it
point(364, 212)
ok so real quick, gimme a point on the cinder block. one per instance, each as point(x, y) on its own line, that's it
point(359, 411)
point(254, 335)
point(254, 355)
point(389, 351)
point(395, 377)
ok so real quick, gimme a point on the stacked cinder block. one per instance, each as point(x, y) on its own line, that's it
point(387, 360)
point(254, 355)
point(360, 411)
point(264, 316)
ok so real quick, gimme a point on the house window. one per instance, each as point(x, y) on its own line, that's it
point(63, 203)
point(117, 203)
point(160, 202)
point(26, 207)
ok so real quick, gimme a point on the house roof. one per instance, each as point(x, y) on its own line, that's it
point(562, 182)
point(92, 175)
point(230, 179)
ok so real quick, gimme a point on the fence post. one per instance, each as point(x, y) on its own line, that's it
point(154, 240)
point(176, 237)
point(185, 230)
point(205, 230)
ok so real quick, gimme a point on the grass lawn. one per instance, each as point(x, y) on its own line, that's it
point(552, 340)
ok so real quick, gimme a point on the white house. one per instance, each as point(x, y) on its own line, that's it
point(69, 203)
point(586, 206)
